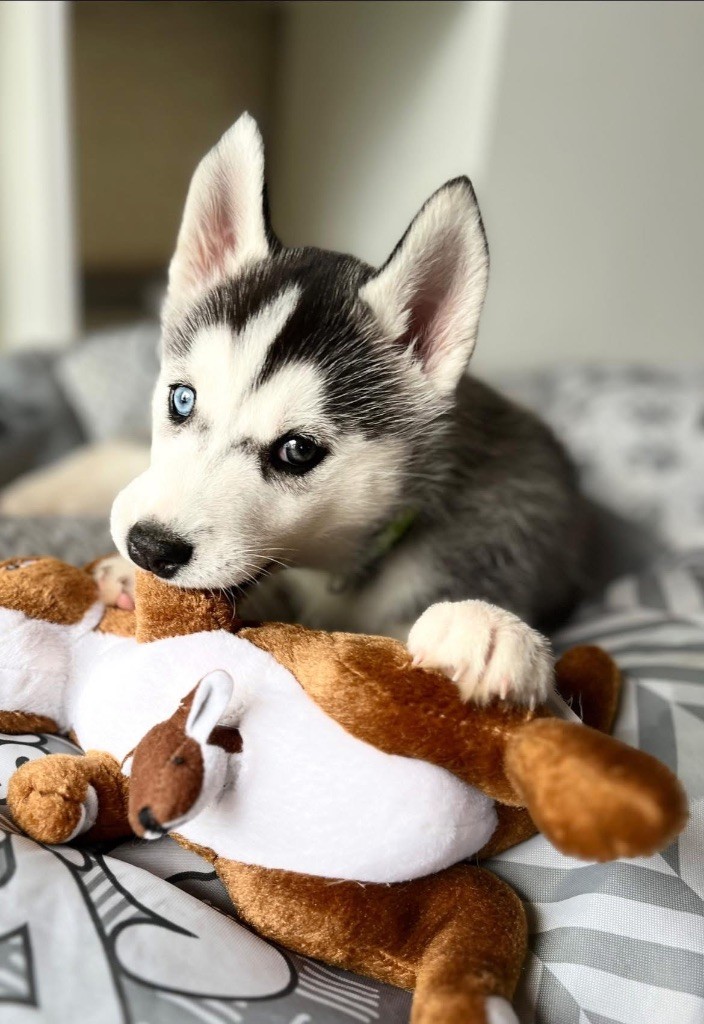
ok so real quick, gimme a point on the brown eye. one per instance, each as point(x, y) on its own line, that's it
point(296, 453)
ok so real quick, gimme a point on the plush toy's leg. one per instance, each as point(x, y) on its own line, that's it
point(58, 797)
point(470, 968)
point(457, 937)
point(590, 681)
point(591, 795)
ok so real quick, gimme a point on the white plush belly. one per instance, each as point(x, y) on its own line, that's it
point(308, 796)
point(36, 662)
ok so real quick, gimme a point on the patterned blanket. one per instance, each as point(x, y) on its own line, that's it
point(144, 932)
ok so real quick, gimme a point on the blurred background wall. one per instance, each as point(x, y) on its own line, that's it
point(580, 123)
point(155, 84)
point(38, 258)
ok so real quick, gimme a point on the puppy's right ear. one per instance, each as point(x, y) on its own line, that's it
point(225, 222)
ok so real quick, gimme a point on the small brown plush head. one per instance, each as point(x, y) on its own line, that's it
point(181, 765)
point(46, 589)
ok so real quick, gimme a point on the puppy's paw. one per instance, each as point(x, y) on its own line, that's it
point(115, 579)
point(486, 651)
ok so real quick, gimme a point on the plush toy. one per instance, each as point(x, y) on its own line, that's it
point(333, 786)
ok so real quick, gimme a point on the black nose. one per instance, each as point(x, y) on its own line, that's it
point(153, 547)
point(149, 822)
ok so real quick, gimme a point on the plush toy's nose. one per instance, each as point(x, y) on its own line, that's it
point(154, 548)
point(149, 822)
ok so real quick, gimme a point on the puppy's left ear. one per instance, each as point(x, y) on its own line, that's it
point(429, 295)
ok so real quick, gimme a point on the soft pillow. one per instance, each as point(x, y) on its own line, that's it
point(109, 378)
point(637, 435)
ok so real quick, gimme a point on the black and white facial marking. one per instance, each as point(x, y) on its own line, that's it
point(301, 392)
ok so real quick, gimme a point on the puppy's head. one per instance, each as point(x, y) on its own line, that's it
point(301, 392)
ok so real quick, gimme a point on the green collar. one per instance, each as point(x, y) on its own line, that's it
point(382, 543)
point(391, 535)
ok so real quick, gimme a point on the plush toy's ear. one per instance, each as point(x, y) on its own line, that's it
point(210, 702)
point(429, 295)
point(225, 221)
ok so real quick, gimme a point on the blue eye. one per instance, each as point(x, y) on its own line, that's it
point(182, 400)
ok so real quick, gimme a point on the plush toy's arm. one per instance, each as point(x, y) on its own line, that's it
point(15, 723)
point(164, 611)
point(59, 797)
point(370, 687)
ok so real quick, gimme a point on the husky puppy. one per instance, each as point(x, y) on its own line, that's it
point(314, 412)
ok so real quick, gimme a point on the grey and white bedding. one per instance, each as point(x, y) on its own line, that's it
point(636, 434)
point(143, 933)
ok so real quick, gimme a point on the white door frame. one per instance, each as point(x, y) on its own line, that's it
point(38, 265)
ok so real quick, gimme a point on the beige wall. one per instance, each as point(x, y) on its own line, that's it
point(156, 83)
point(582, 124)
point(594, 196)
point(380, 104)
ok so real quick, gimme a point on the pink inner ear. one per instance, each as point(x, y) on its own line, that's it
point(434, 305)
point(214, 242)
point(419, 333)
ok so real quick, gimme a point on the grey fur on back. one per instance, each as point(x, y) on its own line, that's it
point(504, 518)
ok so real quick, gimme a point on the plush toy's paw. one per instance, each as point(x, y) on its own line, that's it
point(591, 795)
point(115, 579)
point(88, 814)
point(500, 1011)
point(486, 651)
point(450, 1007)
point(51, 799)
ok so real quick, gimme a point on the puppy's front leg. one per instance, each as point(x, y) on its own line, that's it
point(487, 651)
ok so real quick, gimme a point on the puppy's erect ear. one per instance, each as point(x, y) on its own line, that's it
point(429, 294)
point(225, 222)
